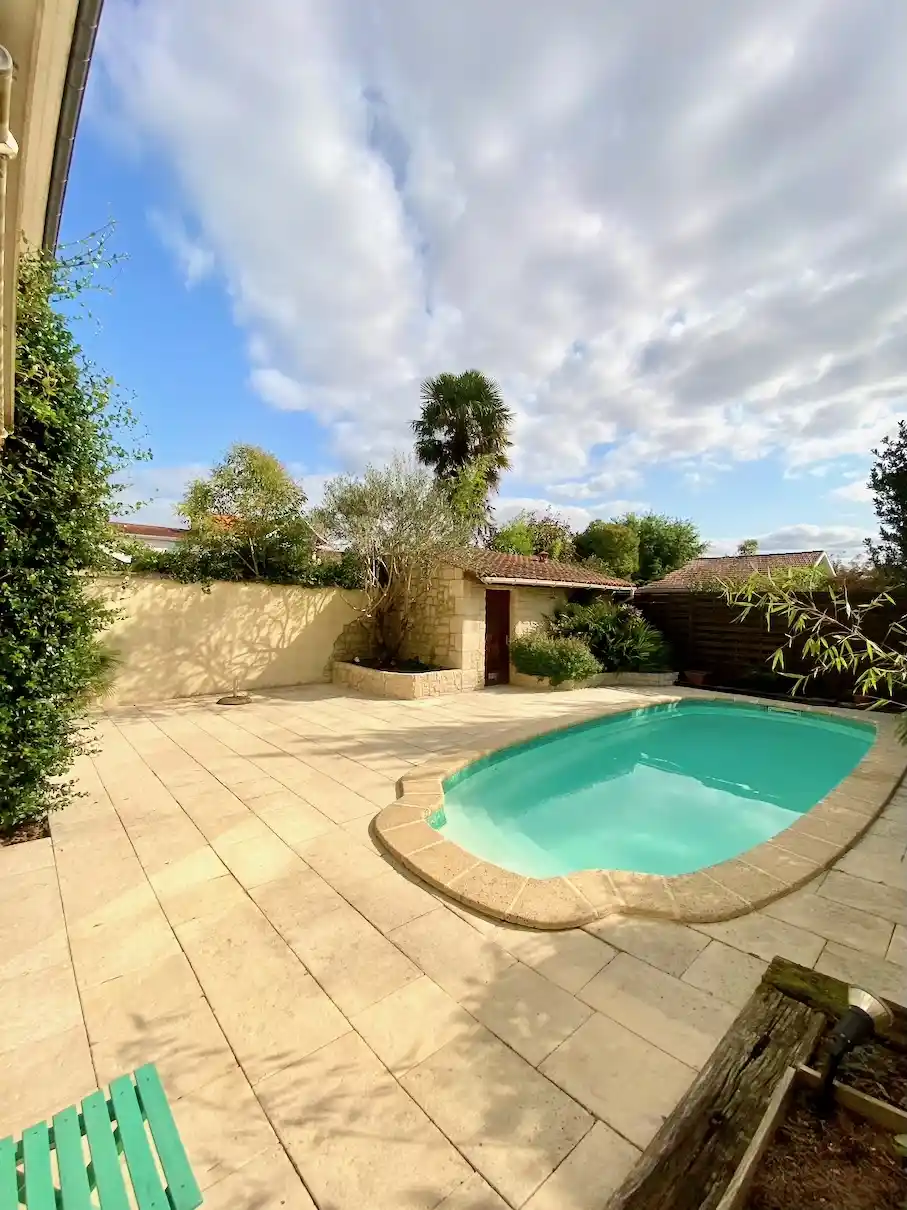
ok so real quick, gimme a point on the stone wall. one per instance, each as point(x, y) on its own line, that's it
point(449, 626)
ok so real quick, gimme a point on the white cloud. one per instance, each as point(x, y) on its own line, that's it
point(856, 492)
point(158, 489)
point(278, 389)
point(196, 262)
point(673, 233)
point(837, 540)
point(579, 517)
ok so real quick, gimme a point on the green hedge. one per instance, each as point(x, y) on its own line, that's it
point(206, 562)
point(56, 494)
point(552, 658)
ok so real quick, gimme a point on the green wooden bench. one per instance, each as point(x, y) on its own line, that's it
point(88, 1143)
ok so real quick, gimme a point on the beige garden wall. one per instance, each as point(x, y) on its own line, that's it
point(176, 640)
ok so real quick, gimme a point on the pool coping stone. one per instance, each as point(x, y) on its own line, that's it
point(720, 892)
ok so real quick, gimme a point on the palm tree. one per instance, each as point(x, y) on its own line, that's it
point(464, 419)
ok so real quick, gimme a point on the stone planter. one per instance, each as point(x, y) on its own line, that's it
point(634, 680)
point(404, 685)
point(614, 680)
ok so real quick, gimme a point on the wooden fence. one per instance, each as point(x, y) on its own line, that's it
point(707, 635)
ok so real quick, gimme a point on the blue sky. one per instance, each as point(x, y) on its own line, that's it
point(678, 255)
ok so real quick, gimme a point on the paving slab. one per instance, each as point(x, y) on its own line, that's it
point(833, 920)
point(569, 959)
point(118, 1005)
point(594, 1169)
point(188, 1046)
point(726, 972)
point(670, 947)
point(410, 1024)
point(355, 1136)
point(269, 1182)
point(874, 974)
point(41, 1077)
point(37, 1005)
point(764, 936)
point(294, 903)
point(510, 1122)
point(877, 859)
point(474, 1194)
point(887, 902)
point(620, 1077)
point(291, 817)
point(22, 858)
point(527, 1011)
point(223, 1127)
point(897, 950)
point(32, 930)
point(389, 899)
point(682, 1019)
point(452, 953)
point(355, 964)
point(254, 854)
point(271, 1010)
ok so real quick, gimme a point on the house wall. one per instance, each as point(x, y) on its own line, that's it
point(155, 543)
point(528, 609)
point(38, 35)
point(175, 640)
point(449, 626)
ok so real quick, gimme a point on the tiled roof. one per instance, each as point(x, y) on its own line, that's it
point(736, 567)
point(148, 531)
point(492, 566)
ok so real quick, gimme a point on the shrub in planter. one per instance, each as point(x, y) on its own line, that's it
point(557, 659)
point(618, 636)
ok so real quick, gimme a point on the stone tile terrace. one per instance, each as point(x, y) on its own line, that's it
point(333, 1034)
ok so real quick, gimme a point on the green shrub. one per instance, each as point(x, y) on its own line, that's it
point(204, 561)
point(56, 494)
point(618, 635)
point(554, 658)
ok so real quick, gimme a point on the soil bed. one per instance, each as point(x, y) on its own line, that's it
point(32, 829)
point(877, 1070)
point(842, 1162)
point(400, 666)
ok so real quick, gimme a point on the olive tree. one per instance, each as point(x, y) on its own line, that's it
point(398, 522)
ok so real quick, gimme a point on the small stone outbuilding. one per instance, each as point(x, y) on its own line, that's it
point(481, 600)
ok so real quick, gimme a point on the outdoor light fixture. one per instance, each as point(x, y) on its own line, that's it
point(858, 1026)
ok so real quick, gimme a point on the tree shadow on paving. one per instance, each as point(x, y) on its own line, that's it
point(509, 1120)
point(202, 1081)
point(422, 737)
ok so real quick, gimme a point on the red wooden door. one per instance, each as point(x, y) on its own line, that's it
point(497, 636)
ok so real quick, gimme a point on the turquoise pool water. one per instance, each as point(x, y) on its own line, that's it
point(662, 790)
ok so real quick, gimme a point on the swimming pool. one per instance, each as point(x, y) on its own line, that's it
point(662, 790)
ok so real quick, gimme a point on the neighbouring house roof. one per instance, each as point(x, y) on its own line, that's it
point(492, 567)
point(735, 567)
point(148, 531)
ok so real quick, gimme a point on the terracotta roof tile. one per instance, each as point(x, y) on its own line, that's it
point(692, 574)
point(492, 565)
point(148, 531)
